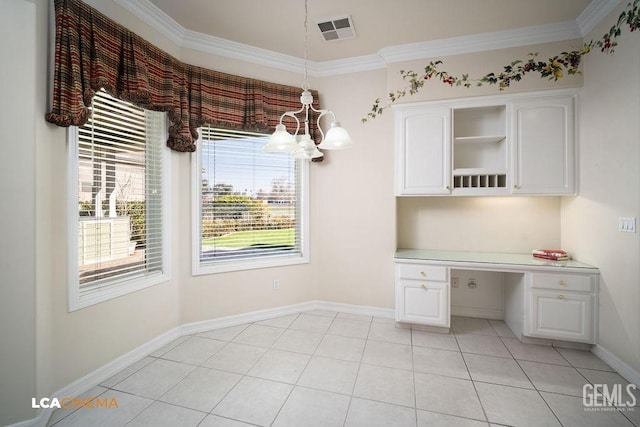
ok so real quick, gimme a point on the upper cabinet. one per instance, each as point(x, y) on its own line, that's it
point(424, 150)
point(496, 145)
point(544, 145)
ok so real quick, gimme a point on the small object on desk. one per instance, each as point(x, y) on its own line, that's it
point(551, 254)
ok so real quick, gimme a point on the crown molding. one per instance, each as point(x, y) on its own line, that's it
point(594, 13)
point(230, 49)
point(567, 30)
point(153, 16)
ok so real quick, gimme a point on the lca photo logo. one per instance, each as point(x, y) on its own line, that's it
point(608, 397)
point(74, 402)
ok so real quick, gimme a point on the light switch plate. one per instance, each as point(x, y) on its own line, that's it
point(627, 224)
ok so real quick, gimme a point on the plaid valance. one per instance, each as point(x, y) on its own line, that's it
point(94, 52)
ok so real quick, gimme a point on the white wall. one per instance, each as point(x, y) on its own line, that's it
point(17, 212)
point(610, 187)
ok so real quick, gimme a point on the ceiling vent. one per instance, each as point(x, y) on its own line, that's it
point(337, 28)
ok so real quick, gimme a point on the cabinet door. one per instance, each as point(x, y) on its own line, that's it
point(561, 316)
point(423, 151)
point(424, 303)
point(544, 149)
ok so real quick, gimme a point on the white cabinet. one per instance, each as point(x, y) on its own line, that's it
point(422, 294)
point(541, 300)
point(544, 148)
point(497, 145)
point(423, 152)
point(561, 307)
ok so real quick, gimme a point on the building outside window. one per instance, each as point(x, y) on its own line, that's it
point(251, 207)
point(118, 209)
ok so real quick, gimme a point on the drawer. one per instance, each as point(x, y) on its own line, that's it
point(423, 272)
point(569, 282)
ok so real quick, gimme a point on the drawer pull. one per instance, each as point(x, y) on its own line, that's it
point(560, 296)
point(423, 274)
point(562, 283)
point(423, 287)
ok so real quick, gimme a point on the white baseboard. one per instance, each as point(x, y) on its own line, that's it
point(387, 313)
point(87, 382)
point(482, 313)
point(239, 319)
point(92, 379)
point(626, 371)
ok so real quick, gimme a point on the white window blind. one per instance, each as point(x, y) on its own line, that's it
point(251, 204)
point(119, 196)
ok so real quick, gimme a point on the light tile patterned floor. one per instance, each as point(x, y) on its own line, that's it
point(328, 369)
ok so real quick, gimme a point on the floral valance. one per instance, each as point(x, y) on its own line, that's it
point(93, 52)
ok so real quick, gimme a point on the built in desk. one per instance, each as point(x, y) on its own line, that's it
point(542, 299)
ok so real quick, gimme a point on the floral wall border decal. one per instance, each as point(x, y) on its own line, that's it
point(553, 69)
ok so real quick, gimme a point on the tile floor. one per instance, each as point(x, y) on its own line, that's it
point(323, 368)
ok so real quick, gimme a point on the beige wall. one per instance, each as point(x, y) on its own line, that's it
point(353, 199)
point(17, 213)
point(610, 187)
point(354, 216)
point(71, 345)
point(489, 224)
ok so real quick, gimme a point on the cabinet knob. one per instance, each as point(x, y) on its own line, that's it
point(517, 187)
point(562, 283)
point(423, 287)
point(423, 274)
point(448, 187)
point(560, 296)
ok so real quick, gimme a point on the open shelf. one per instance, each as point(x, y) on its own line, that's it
point(479, 139)
point(479, 178)
point(479, 147)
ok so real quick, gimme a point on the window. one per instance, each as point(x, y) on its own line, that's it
point(250, 207)
point(118, 203)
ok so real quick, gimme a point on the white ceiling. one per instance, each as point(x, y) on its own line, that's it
point(386, 30)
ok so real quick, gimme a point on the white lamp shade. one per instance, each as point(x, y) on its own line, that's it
point(306, 149)
point(337, 138)
point(280, 141)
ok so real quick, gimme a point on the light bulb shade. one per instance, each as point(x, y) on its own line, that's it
point(306, 149)
point(280, 141)
point(336, 138)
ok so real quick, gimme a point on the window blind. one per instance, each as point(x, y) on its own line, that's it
point(250, 202)
point(119, 194)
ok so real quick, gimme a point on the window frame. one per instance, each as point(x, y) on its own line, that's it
point(199, 268)
point(109, 289)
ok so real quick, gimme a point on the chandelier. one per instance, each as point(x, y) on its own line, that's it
point(300, 145)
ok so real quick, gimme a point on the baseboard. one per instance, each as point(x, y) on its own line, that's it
point(92, 379)
point(387, 313)
point(105, 372)
point(482, 313)
point(239, 319)
point(626, 371)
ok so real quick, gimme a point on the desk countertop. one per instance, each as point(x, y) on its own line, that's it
point(494, 258)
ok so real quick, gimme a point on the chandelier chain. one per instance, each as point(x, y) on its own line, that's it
point(306, 14)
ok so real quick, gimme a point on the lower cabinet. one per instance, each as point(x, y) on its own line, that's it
point(425, 303)
point(422, 294)
point(561, 307)
point(547, 304)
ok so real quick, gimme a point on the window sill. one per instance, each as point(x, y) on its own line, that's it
point(250, 264)
point(98, 295)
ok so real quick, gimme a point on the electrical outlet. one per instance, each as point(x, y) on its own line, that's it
point(276, 284)
point(454, 282)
